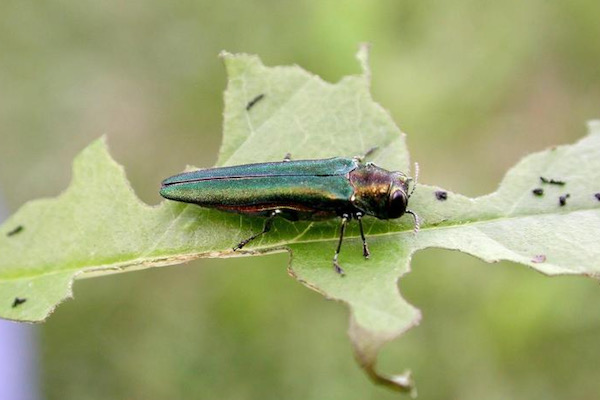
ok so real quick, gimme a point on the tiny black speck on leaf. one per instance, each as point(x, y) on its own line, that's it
point(255, 100)
point(538, 191)
point(552, 181)
point(15, 231)
point(562, 200)
point(597, 196)
point(441, 195)
point(18, 301)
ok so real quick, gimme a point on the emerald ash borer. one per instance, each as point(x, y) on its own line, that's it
point(311, 190)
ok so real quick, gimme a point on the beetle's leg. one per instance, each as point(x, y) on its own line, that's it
point(336, 266)
point(416, 217)
point(366, 252)
point(287, 157)
point(367, 154)
point(266, 228)
point(370, 151)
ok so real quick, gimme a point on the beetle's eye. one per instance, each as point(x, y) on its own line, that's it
point(397, 204)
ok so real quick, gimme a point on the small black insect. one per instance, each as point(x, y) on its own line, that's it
point(538, 191)
point(552, 181)
point(18, 301)
point(441, 195)
point(597, 196)
point(255, 100)
point(562, 200)
point(15, 231)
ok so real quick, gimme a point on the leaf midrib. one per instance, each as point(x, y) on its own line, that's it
point(273, 247)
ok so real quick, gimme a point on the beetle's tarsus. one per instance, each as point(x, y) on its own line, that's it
point(366, 252)
point(338, 269)
point(336, 266)
point(240, 245)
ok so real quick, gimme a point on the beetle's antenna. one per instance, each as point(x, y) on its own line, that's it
point(416, 217)
point(415, 180)
point(367, 154)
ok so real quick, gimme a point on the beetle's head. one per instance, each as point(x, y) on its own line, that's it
point(398, 196)
point(381, 193)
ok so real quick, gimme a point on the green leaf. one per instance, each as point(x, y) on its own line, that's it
point(98, 225)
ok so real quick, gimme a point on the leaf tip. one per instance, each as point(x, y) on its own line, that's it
point(99, 145)
point(363, 58)
point(366, 344)
point(95, 153)
point(224, 55)
point(594, 126)
point(236, 63)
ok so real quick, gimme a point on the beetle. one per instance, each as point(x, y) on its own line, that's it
point(313, 190)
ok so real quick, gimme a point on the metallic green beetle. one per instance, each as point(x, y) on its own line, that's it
point(298, 190)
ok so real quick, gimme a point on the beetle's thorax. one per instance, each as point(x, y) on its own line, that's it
point(372, 189)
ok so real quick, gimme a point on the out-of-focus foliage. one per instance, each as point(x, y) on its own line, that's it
point(476, 85)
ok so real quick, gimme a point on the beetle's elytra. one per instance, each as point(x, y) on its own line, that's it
point(339, 187)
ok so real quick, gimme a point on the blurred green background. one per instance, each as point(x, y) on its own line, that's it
point(475, 84)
